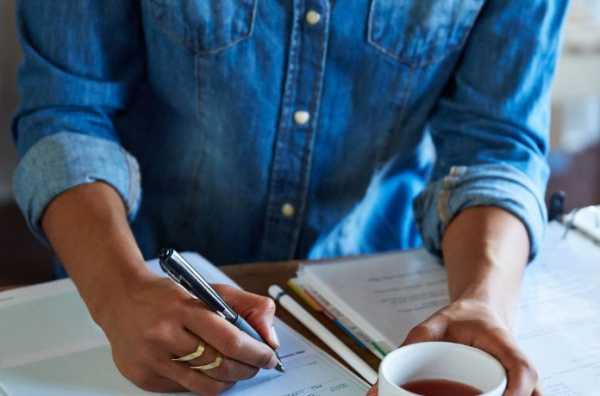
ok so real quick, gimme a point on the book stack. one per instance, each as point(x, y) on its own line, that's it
point(375, 299)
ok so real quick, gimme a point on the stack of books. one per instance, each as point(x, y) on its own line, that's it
point(375, 299)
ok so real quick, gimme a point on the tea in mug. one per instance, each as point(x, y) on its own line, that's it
point(439, 387)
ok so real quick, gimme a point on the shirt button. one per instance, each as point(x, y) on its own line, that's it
point(288, 210)
point(313, 17)
point(301, 117)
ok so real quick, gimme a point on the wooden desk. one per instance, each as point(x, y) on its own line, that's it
point(3, 288)
point(257, 278)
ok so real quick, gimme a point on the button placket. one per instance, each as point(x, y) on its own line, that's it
point(294, 146)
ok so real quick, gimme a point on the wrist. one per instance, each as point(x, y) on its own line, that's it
point(105, 289)
point(490, 291)
point(485, 252)
point(88, 229)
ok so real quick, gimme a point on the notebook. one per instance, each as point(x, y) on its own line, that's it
point(49, 345)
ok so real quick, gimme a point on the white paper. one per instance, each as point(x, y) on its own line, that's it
point(50, 346)
point(557, 322)
point(558, 318)
point(585, 220)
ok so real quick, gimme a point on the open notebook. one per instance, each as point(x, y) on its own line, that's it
point(49, 345)
point(378, 299)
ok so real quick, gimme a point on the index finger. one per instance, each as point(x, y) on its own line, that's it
point(522, 376)
point(228, 339)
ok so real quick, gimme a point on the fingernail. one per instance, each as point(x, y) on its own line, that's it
point(274, 337)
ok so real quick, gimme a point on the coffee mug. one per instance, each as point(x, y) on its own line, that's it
point(430, 364)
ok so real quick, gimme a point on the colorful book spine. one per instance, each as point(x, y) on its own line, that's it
point(319, 303)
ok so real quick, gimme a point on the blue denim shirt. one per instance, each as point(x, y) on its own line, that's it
point(271, 130)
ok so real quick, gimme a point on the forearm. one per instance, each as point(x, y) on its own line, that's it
point(485, 251)
point(88, 229)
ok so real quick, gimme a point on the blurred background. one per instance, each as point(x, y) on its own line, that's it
point(24, 259)
point(574, 156)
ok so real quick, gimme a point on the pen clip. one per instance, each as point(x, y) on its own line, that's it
point(177, 268)
point(177, 279)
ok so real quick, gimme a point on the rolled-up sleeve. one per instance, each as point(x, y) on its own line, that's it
point(82, 62)
point(491, 124)
point(64, 160)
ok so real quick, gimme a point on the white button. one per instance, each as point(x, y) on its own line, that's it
point(288, 210)
point(301, 117)
point(313, 17)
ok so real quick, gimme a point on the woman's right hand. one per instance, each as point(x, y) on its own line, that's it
point(157, 321)
point(150, 320)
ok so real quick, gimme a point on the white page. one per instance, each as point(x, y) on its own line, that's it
point(558, 318)
point(92, 372)
point(50, 346)
point(557, 323)
point(585, 220)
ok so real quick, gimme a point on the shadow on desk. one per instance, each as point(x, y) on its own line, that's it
point(24, 259)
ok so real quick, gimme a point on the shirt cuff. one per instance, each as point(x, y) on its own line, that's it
point(67, 159)
point(497, 185)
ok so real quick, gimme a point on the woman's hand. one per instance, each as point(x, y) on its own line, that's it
point(150, 320)
point(157, 321)
point(478, 325)
point(485, 252)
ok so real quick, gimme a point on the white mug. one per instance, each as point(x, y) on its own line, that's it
point(441, 361)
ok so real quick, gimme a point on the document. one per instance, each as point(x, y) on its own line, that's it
point(51, 346)
point(558, 317)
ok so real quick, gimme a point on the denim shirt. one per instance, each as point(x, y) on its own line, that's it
point(270, 130)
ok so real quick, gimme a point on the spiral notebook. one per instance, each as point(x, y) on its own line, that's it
point(378, 299)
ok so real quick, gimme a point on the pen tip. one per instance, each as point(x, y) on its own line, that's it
point(280, 368)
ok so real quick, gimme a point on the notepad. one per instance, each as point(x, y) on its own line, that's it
point(380, 298)
point(49, 345)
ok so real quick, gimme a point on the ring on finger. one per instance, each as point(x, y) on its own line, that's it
point(199, 351)
point(210, 366)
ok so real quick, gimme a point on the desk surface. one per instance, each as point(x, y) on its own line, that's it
point(257, 278)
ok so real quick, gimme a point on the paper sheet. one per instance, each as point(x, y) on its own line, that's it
point(558, 318)
point(51, 346)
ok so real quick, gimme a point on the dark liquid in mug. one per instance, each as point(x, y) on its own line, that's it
point(437, 387)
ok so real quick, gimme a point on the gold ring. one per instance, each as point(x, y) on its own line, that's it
point(210, 366)
point(194, 355)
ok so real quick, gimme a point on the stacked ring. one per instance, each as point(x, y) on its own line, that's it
point(199, 351)
point(210, 366)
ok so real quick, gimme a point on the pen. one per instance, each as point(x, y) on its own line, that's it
point(325, 335)
point(180, 271)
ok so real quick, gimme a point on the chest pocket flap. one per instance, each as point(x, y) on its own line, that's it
point(421, 31)
point(205, 25)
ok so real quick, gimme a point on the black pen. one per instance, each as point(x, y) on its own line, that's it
point(180, 271)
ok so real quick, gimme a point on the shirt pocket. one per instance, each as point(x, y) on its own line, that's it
point(420, 31)
point(205, 25)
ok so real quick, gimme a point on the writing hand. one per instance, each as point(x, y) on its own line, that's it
point(157, 321)
point(150, 320)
